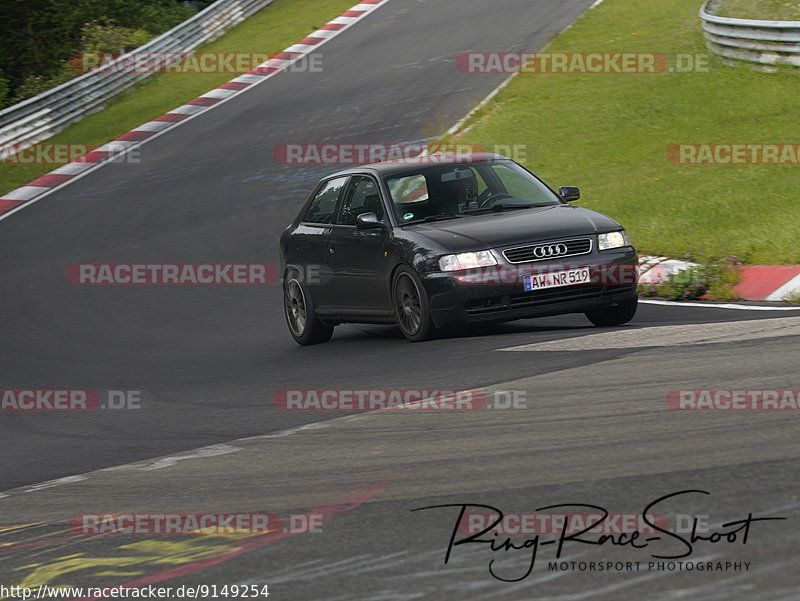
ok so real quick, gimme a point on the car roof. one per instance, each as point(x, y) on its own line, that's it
point(413, 165)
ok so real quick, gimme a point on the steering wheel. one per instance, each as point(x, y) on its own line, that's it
point(488, 198)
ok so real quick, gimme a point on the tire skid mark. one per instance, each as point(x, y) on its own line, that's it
point(348, 502)
point(183, 556)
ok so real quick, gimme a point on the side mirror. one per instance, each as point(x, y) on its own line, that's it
point(569, 193)
point(369, 221)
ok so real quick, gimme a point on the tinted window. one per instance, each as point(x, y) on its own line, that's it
point(518, 183)
point(323, 207)
point(451, 191)
point(362, 197)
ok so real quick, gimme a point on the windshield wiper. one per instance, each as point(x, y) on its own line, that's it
point(500, 206)
point(433, 218)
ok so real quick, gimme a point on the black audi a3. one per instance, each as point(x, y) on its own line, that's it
point(448, 241)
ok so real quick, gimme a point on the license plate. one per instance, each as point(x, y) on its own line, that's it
point(556, 279)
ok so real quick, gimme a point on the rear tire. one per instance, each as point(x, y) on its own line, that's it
point(411, 306)
point(614, 316)
point(304, 325)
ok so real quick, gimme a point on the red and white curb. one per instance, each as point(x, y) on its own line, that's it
point(770, 282)
point(759, 282)
point(656, 269)
point(35, 190)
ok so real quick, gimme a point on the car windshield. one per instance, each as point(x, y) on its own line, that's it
point(441, 192)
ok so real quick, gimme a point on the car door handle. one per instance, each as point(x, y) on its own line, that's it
point(331, 248)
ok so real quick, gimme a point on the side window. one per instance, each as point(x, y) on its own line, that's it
point(323, 207)
point(362, 196)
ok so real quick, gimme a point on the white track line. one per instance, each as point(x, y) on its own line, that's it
point(717, 306)
point(673, 336)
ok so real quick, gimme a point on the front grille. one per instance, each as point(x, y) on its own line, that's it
point(549, 250)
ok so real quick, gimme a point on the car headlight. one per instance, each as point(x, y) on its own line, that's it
point(482, 258)
point(613, 240)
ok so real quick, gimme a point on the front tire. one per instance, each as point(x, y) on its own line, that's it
point(411, 306)
point(304, 325)
point(614, 316)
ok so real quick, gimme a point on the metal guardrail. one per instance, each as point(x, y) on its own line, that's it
point(40, 117)
point(767, 45)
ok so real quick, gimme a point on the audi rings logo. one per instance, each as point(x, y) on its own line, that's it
point(550, 250)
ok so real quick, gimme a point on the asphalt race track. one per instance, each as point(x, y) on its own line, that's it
point(596, 428)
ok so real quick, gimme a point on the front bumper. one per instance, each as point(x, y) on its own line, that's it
point(498, 294)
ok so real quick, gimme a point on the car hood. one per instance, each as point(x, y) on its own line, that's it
point(498, 230)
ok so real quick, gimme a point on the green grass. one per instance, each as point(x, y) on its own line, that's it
point(608, 134)
point(768, 10)
point(269, 31)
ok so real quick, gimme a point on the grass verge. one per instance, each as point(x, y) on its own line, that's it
point(609, 134)
point(766, 10)
point(269, 31)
